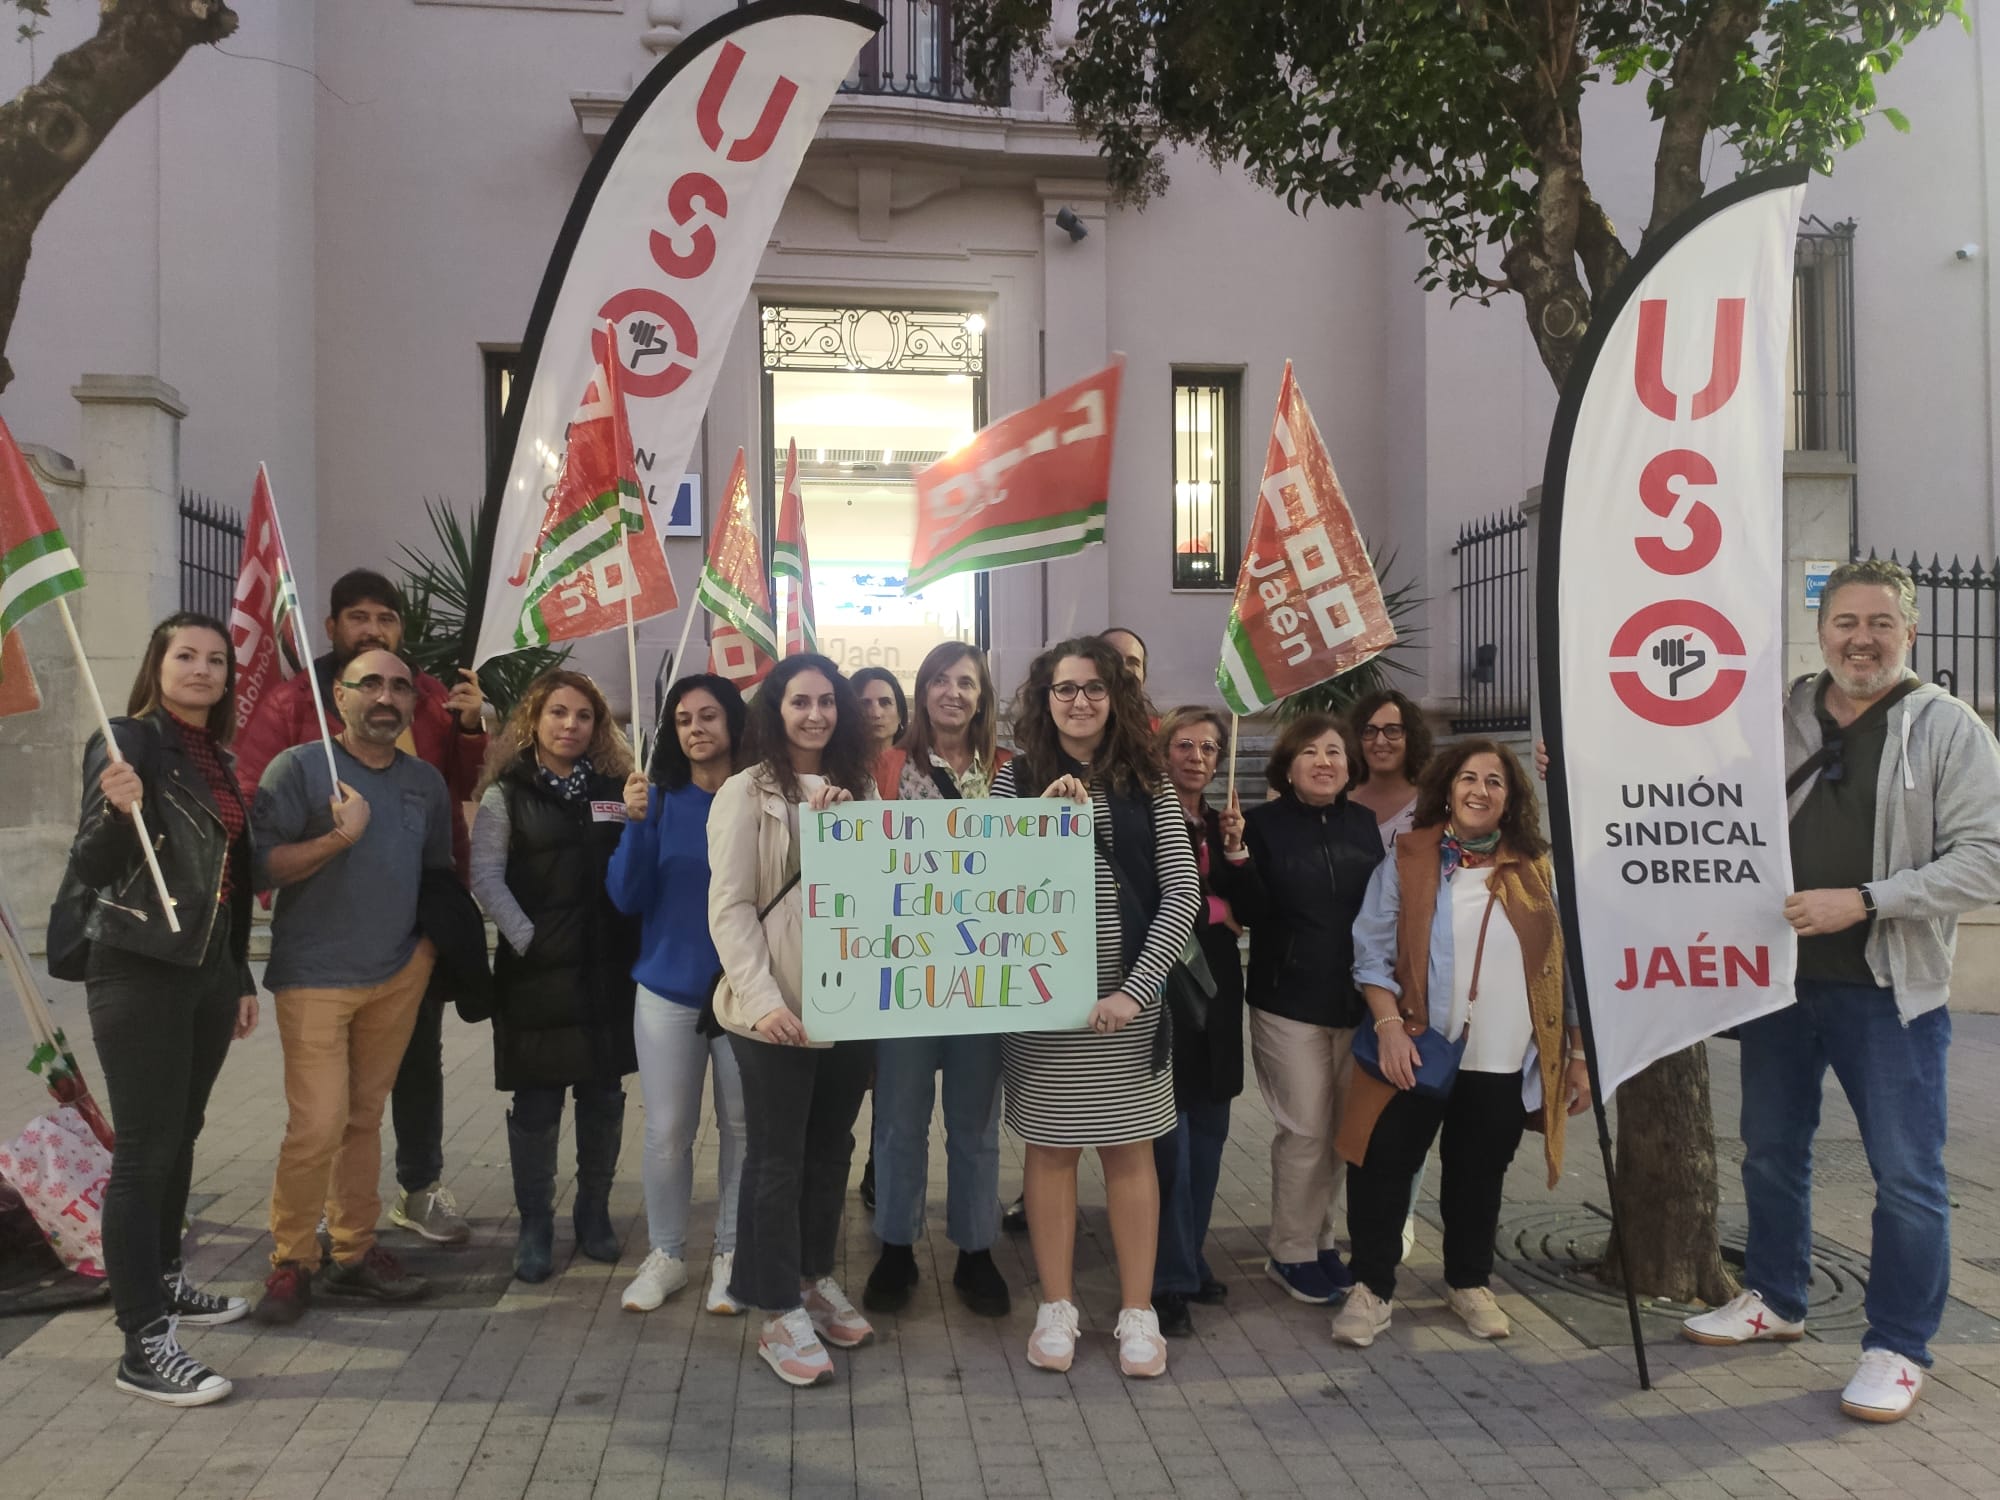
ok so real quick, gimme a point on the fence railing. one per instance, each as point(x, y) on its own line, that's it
point(1958, 632)
point(914, 55)
point(1493, 614)
point(211, 554)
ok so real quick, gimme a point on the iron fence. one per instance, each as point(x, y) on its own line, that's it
point(1958, 630)
point(211, 554)
point(915, 54)
point(1493, 612)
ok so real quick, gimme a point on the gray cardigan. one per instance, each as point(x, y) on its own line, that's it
point(1937, 834)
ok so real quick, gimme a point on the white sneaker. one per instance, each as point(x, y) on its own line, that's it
point(1053, 1343)
point(1361, 1317)
point(1479, 1312)
point(1142, 1352)
point(719, 1300)
point(839, 1321)
point(1884, 1388)
point(1409, 1237)
point(1743, 1319)
point(789, 1345)
point(660, 1276)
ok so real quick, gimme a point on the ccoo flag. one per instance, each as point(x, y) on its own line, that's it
point(36, 565)
point(791, 558)
point(263, 613)
point(734, 589)
point(1308, 606)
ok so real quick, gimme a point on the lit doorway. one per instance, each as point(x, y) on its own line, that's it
point(872, 395)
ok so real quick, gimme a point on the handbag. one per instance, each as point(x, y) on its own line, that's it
point(1437, 1059)
point(706, 1024)
point(1189, 986)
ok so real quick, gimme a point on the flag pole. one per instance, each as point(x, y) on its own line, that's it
point(674, 662)
point(111, 749)
point(1235, 721)
point(631, 636)
point(299, 635)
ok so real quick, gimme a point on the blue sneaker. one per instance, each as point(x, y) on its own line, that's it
point(1303, 1280)
point(1335, 1270)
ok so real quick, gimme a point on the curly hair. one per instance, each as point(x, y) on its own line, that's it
point(671, 769)
point(1416, 733)
point(1298, 734)
point(919, 739)
point(1128, 756)
point(145, 696)
point(610, 752)
point(1520, 820)
point(845, 762)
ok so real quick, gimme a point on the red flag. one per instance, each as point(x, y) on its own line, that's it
point(735, 590)
point(1308, 606)
point(18, 693)
point(791, 558)
point(263, 613)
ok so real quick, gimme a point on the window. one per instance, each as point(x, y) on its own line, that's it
point(1822, 415)
point(497, 385)
point(1207, 521)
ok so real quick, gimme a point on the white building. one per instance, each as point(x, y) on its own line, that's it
point(327, 237)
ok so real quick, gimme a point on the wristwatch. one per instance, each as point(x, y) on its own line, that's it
point(1868, 900)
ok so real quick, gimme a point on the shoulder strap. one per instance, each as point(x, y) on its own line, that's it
point(1812, 763)
point(783, 891)
point(1479, 952)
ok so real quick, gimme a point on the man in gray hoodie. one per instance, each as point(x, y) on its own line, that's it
point(1895, 832)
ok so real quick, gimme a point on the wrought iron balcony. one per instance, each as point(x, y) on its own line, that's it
point(914, 56)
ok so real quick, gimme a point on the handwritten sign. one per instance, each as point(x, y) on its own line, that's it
point(947, 918)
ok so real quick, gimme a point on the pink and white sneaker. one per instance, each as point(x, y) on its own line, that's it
point(1744, 1319)
point(790, 1346)
point(1884, 1388)
point(1052, 1346)
point(1142, 1353)
point(840, 1323)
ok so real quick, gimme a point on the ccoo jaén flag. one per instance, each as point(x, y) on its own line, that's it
point(1661, 624)
point(36, 564)
point(263, 612)
point(792, 558)
point(736, 591)
point(1308, 605)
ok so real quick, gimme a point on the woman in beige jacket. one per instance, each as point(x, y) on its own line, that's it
point(800, 1098)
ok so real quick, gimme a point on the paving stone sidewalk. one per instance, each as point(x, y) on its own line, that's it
point(502, 1390)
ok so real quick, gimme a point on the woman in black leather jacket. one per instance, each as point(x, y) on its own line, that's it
point(1303, 860)
point(164, 1006)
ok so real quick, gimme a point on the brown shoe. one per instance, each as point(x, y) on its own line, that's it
point(378, 1275)
point(287, 1294)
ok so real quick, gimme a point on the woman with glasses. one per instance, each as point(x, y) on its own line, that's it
point(1395, 748)
point(1081, 727)
point(550, 816)
point(948, 754)
point(1303, 862)
point(1208, 1064)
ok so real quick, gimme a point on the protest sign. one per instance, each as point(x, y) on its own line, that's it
point(947, 918)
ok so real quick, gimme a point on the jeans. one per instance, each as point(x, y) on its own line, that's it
point(1189, 1162)
point(673, 1060)
point(799, 1105)
point(162, 1033)
point(416, 1104)
point(1894, 1077)
point(1482, 1122)
point(1302, 1071)
point(904, 1097)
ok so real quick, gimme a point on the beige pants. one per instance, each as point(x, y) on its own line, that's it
point(1302, 1071)
point(342, 1051)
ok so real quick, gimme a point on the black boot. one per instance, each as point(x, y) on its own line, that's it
point(890, 1283)
point(533, 1155)
point(600, 1123)
point(980, 1285)
point(156, 1367)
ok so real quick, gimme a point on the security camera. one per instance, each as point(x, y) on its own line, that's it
point(1967, 251)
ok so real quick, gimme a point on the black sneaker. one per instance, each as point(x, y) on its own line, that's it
point(1213, 1293)
point(378, 1276)
point(1015, 1219)
point(1171, 1308)
point(196, 1308)
point(287, 1294)
point(980, 1285)
point(156, 1367)
point(890, 1283)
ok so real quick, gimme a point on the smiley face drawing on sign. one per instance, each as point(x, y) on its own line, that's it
point(1677, 663)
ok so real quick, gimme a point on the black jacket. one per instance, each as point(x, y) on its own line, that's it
point(562, 1011)
point(1208, 1064)
point(450, 918)
point(1299, 893)
point(107, 894)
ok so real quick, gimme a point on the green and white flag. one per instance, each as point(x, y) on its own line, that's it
point(36, 564)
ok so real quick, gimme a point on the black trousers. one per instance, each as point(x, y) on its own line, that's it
point(799, 1106)
point(416, 1103)
point(1482, 1121)
point(162, 1032)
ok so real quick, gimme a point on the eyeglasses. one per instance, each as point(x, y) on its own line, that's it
point(374, 685)
point(1093, 691)
point(1393, 733)
point(1207, 749)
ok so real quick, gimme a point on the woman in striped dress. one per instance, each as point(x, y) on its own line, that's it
point(1083, 731)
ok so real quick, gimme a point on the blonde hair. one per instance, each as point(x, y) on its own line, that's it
point(610, 752)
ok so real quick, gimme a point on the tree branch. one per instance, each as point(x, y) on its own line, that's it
point(1597, 245)
point(1687, 101)
point(52, 127)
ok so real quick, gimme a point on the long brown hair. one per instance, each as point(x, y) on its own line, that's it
point(145, 695)
point(1520, 820)
point(920, 738)
point(609, 751)
point(1127, 757)
point(845, 762)
point(1416, 733)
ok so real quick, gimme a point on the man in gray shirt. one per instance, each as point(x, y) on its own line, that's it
point(349, 969)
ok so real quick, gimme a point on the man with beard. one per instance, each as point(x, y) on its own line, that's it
point(445, 728)
point(349, 969)
point(1895, 832)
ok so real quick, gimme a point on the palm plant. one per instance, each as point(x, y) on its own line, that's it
point(437, 596)
point(1338, 694)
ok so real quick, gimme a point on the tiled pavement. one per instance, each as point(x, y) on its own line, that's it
point(555, 1392)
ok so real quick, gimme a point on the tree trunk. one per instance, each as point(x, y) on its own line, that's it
point(1666, 1203)
point(54, 125)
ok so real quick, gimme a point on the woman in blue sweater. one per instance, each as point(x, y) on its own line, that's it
point(660, 875)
